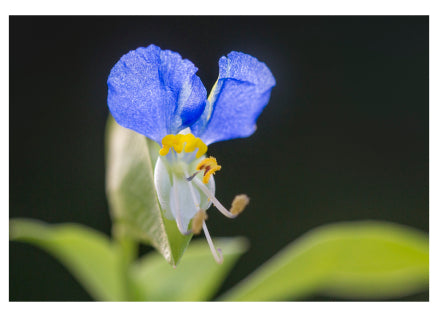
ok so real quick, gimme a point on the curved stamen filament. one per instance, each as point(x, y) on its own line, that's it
point(177, 211)
point(214, 200)
point(216, 252)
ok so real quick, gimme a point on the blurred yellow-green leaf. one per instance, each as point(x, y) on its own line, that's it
point(360, 260)
point(196, 278)
point(87, 254)
point(131, 192)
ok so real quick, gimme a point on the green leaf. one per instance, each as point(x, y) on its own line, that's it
point(87, 254)
point(135, 209)
point(196, 278)
point(360, 260)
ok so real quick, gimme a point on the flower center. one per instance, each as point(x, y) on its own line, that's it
point(189, 143)
point(190, 195)
point(180, 142)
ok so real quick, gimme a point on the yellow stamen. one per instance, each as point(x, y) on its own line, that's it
point(210, 166)
point(179, 142)
point(197, 221)
point(239, 203)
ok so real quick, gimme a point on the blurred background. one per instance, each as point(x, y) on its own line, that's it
point(344, 137)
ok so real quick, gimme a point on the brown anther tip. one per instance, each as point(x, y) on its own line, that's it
point(239, 204)
point(197, 222)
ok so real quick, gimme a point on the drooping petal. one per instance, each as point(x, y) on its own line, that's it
point(182, 203)
point(162, 182)
point(240, 94)
point(175, 195)
point(155, 92)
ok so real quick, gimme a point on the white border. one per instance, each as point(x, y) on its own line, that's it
point(225, 7)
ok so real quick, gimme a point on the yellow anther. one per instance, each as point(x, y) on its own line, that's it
point(164, 151)
point(239, 203)
point(193, 143)
point(168, 142)
point(178, 142)
point(210, 166)
point(197, 221)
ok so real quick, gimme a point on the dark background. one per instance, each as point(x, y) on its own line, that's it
point(344, 137)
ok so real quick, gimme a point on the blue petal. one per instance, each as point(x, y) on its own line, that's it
point(155, 92)
point(240, 94)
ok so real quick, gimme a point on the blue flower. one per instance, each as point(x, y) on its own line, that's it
point(158, 94)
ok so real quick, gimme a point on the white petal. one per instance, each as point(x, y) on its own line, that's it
point(182, 201)
point(162, 181)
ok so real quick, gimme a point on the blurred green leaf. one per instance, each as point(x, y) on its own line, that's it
point(87, 254)
point(131, 193)
point(366, 260)
point(196, 278)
